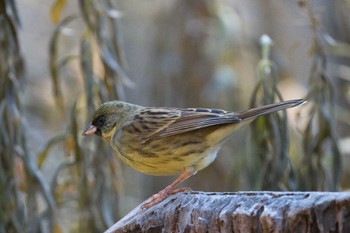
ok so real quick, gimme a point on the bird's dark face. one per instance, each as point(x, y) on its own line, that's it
point(106, 119)
point(99, 123)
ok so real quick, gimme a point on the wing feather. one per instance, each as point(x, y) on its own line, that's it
point(155, 123)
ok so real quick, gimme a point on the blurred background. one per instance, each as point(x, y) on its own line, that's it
point(60, 59)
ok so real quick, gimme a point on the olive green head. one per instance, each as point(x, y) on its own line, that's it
point(108, 117)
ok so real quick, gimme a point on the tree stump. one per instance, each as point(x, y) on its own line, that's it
point(242, 212)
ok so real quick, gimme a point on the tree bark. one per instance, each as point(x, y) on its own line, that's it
point(242, 212)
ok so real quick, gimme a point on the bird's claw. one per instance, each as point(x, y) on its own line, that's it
point(162, 195)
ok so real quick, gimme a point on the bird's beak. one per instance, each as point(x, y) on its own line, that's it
point(90, 131)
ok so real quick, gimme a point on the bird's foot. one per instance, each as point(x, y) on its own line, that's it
point(181, 190)
point(162, 195)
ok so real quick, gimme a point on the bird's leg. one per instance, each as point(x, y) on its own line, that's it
point(161, 195)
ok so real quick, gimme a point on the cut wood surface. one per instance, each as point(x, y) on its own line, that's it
point(242, 212)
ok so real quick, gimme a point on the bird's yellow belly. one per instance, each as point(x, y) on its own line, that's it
point(168, 157)
point(159, 166)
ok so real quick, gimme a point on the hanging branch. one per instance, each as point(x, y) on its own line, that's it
point(320, 142)
point(269, 133)
point(94, 171)
point(20, 178)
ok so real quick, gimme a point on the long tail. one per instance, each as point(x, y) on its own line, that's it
point(259, 111)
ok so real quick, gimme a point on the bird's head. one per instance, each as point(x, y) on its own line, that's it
point(107, 118)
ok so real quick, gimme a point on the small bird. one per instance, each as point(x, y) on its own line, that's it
point(165, 141)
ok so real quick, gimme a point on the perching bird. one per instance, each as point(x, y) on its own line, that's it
point(163, 141)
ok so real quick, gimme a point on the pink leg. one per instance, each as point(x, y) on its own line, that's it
point(161, 195)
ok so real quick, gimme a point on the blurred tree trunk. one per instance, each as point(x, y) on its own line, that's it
point(184, 66)
point(242, 212)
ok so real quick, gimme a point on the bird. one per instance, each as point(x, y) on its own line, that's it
point(167, 141)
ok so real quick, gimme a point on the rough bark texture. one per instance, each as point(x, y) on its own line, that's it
point(242, 212)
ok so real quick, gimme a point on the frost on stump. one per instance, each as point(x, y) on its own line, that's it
point(242, 212)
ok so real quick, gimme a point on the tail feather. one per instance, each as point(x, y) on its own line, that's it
point(259, 111)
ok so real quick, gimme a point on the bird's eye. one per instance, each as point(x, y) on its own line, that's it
point(100, 121)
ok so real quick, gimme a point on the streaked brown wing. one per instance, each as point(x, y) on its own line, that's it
point(154, 123)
